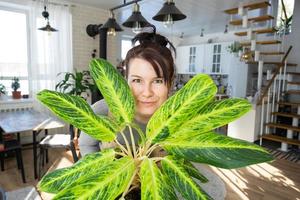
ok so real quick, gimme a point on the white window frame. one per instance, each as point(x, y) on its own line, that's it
point(23, 10)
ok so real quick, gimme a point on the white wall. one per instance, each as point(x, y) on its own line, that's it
point(83, 44)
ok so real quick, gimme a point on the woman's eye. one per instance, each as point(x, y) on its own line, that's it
point(136, 80)
point(159, 81)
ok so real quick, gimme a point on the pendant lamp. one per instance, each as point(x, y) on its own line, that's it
point(111, 25)
point(169, 13)
point(45, 14)
point(136, 21)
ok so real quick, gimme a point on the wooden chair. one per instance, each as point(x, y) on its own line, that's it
point(11, 145)
point(68, 141)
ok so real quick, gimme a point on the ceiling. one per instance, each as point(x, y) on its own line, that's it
point(207, 14)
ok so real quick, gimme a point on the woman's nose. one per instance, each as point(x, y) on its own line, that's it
point(147, 90)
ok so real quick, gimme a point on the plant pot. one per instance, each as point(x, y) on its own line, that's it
point(16, 94)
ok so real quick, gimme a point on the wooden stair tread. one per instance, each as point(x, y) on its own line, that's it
point(294, 73)
point(267, 53)
point(293, 115)
point(264, 42)
point(253, 20)
point(289, 103)
point(293, 83)
point(293, 92)
point(281, 139)
point(273, 63)
point(284, 126)
point(250, 6)
point(258, 31)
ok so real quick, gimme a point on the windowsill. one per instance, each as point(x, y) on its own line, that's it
point(9, 100)
point(8, 103)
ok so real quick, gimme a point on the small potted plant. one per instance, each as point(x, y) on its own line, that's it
point(15, 85)
point(2, 89)
point(235, 48)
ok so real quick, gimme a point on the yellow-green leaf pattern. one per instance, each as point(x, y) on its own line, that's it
point(154, 185)
point(212, 116)
point(217, 150)
point(77, 112)
point(60, 179)
point(181, 180)
point(181, 107)
point(114, 89)
point(106, 184)
point(193, 171)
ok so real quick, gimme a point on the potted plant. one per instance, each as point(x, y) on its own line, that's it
point(2, 89)
point(284, 27)
point(15, 85)
point(75, 83)
point(182, 127)
point(235, 48)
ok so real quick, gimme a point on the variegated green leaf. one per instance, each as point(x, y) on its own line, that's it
point(109, 182)
point(217, 150)
point(114, 89)
point(154, 185)
point(213, 115)
point(194, 172)
point(60, 179)
point(182, 180)
point(181, 107)
point(76, 111)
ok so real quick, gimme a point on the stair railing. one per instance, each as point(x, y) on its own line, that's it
point(272, 94)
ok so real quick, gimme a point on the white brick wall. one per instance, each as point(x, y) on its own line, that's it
point(83, 44)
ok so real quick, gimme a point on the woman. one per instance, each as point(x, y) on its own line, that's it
point(150, 74)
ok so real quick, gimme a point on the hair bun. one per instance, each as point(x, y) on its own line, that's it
point(146, 38)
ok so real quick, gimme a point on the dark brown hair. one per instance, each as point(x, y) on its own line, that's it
point(153, 48)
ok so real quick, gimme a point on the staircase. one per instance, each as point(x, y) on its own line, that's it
point(279, 111)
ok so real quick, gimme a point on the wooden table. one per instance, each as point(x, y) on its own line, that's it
point(28, 120)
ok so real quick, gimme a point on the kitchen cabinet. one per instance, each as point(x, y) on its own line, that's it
point(217, 58)
point(190, 59)
point(214, 59)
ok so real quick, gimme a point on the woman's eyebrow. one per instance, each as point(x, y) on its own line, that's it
point(136, 76)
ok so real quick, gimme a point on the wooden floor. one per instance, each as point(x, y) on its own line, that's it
point(278, 180)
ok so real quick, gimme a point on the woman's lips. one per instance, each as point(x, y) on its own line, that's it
point(148, 103)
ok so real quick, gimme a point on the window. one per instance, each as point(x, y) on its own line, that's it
point(126, 45)
point(216, 59)
point(192, 59)
point(13, 49)
point(281, 18)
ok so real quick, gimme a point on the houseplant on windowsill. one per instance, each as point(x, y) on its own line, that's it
point(2, 89)
point(15, 85)
point(183, 127)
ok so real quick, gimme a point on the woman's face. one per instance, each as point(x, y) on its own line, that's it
point(148, 89)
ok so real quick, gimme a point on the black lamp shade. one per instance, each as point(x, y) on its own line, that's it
point(48, 28)
point(111, 23)
point(136, 17)
point(169, 8)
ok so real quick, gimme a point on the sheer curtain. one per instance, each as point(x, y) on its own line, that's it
point(50, 53)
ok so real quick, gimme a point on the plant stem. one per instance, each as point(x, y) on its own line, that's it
point(156, 159)
point(132, 141)
point(122, 147)
point(121, 154)
point(129, 183)
point(150, 150)
point(140, 132)
point(127, 144)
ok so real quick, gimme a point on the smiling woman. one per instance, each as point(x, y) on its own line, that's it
point(150, 74)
